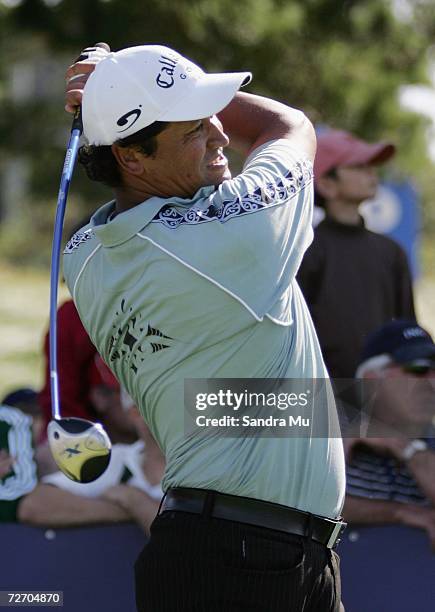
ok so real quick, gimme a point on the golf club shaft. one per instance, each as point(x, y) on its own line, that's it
point(68, 167)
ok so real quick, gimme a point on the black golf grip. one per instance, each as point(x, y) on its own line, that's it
point(77, 121)
point(84, 55)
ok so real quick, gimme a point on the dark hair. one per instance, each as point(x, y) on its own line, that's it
point(319, 200)
point(25, 399)
point(100, 163)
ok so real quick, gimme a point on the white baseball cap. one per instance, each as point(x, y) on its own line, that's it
point(134, 87)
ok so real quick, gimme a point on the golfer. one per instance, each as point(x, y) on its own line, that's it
point(189, 273)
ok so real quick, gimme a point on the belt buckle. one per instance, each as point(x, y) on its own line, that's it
point(335, 533)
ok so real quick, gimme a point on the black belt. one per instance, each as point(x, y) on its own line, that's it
point(254, 512)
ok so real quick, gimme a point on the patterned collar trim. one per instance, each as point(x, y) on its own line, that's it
point(202, 208)
point(114, 231)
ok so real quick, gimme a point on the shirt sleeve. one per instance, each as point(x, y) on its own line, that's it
point(248, 236)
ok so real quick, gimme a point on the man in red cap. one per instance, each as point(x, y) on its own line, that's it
point(353, 279)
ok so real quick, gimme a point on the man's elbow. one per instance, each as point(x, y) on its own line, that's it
point(308, 131)
point(303, 122)
point(301, 131)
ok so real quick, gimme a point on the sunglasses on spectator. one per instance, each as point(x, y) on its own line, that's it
point(419, 367)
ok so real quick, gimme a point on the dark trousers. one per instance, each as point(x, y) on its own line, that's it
point(197, 564)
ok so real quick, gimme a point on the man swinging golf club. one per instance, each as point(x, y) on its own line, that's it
point(189, 273)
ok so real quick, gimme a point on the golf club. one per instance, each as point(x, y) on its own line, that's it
point(80, 448)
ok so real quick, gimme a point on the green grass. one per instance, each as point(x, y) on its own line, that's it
point(23, 322)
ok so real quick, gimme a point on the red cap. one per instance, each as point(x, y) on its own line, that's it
point(338, 148)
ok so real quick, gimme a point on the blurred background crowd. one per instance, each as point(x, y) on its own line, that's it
point(363, 66)
point(355, 65)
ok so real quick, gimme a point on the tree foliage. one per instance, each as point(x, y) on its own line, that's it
point(342, 62)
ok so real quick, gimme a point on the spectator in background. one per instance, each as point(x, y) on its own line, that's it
point(129, 490)
point(87, 387)
point(105, 394)
point(353, 280)
point(147, 479)
point(66, 503)
point(17, 463)
point(6, 462)
point(26, 400)
point(391, 470)
point(20, 424)
point(75, 363)
point(75, 355)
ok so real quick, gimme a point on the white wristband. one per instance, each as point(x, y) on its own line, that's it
point(415, 446)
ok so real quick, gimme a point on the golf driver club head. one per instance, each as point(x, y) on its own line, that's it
point(80, 448)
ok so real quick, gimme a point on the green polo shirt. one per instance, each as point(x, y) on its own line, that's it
point(177, 289)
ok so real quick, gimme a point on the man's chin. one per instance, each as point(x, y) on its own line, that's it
point(216, 181)
point(226, 176)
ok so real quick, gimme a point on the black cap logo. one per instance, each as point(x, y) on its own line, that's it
point(129, 119)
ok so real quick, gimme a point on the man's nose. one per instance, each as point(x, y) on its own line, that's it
point(216, 134)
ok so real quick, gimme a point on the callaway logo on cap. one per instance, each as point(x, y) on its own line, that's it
point(135, 87)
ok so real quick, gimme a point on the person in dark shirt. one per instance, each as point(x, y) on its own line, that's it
point(353, 280)
point(76, 355)
point(390, 471)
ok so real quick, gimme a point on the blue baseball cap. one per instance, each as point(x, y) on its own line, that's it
point(403, 339)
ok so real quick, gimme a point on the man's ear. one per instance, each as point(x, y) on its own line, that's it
point(327, 187)
point(130, 160)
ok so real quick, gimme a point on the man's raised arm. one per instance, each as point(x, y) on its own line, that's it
point(251, 120)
